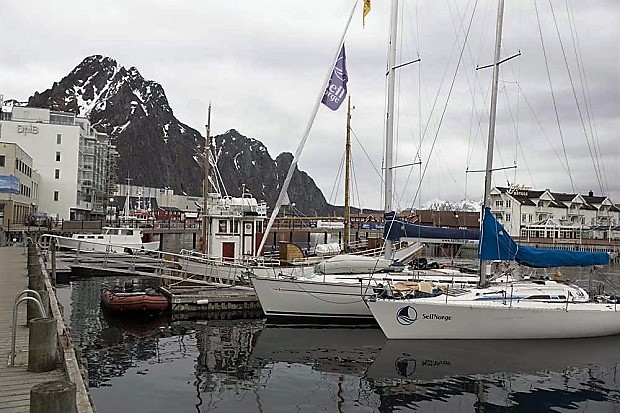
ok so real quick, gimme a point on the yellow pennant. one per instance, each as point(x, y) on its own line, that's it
point(365, 12)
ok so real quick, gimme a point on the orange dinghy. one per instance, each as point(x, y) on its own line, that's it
point(149, 300)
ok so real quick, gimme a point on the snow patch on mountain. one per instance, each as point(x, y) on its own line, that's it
point(443, 205)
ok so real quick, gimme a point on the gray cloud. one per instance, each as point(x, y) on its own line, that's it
point(261, 64)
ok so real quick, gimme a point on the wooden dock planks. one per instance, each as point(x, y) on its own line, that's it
point(15, 382)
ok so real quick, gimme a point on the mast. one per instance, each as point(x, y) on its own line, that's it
point(205, 185)
point(492, 118)
point(347, 178)
point(389, 124)
point(302, 143)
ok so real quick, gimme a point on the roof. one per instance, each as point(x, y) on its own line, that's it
point(449, 218)
point(170, 209)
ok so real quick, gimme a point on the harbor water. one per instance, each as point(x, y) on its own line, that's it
point(158, 365)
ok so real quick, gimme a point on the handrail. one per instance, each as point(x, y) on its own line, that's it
point(14, 326)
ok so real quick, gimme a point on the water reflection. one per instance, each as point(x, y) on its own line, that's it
point(156, 365)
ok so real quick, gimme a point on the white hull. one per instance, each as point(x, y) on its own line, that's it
point(332, 296)
point(434, 318)
point(106, 245)
point(280, 298)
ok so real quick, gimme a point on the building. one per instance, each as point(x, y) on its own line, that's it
point(528, 213)
point(74, 160)
point(19, 185)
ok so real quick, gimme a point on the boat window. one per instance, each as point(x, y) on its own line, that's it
point(100, 237)
point(90, 236)
point(126, 232)
point(80, 237)
point(538, 297)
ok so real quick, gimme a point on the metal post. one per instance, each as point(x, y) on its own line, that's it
point(43, 314)
point(53, 249)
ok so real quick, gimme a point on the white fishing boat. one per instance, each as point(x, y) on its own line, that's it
point(111, 239)
point(508, 311)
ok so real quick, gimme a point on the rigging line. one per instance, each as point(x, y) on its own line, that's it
point(542, 129)
point(306, 133)
point(449, 94)
point(518, 78)
point(457, 32)
point(572, 84)
point(377, 171)
point(518, 141)
point(555, 106)
point(418, 43)
point(497, 148)
point(430, 116)
point(586, 92)
point(337, 180)
point(587, 107)
point(356, 186)
point(473, 89)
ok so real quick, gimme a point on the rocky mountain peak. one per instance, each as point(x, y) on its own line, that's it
point(157, 150)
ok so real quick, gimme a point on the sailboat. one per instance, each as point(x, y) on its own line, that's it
point(335, 290)
point(539, 309)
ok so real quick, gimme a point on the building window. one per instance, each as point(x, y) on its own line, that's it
point(55, 195)
point(58, 138)
point(222, 226)
point(57, 156)
point(57, 174)
point(2, 161)
point(499, 203)
point(508, 203)
point(507, 218)
point(524, 217)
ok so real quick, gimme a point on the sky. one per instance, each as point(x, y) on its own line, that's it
point(262, 66)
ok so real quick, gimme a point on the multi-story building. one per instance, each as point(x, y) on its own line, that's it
point(72, 158)
point(528, 213)
point(19, 185)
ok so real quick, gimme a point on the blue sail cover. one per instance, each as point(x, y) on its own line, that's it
point(498, 245)
point(395, 230)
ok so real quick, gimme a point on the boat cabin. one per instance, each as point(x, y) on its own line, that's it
point(235, 225)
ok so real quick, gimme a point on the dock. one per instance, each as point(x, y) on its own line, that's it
point(193, 292)
point(15, 381)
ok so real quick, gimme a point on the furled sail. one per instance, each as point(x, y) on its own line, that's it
point(496, 244)
point(395, 230)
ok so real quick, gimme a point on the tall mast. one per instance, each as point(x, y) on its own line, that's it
point(347, 178)
point(389, 124)
point(205, 185)
point(492, 118)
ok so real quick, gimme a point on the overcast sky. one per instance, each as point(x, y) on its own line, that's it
point(262, 64)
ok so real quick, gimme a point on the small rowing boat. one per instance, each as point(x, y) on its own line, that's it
point(149, 300)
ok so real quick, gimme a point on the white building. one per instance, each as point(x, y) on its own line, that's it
point(528, 213)
point(19, 185)
point(72, 158)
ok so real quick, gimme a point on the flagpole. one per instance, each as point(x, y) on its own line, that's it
point(304, 138)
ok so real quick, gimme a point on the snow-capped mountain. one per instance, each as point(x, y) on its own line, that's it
point(158, 150)
point(464, 205)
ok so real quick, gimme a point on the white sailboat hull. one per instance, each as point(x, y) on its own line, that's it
point(307, 300)
point(434, 318)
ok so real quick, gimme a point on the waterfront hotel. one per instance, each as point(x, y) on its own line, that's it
point(526, 213)
point(54, 163)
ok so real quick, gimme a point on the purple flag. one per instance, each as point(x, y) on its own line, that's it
point(337, 88)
